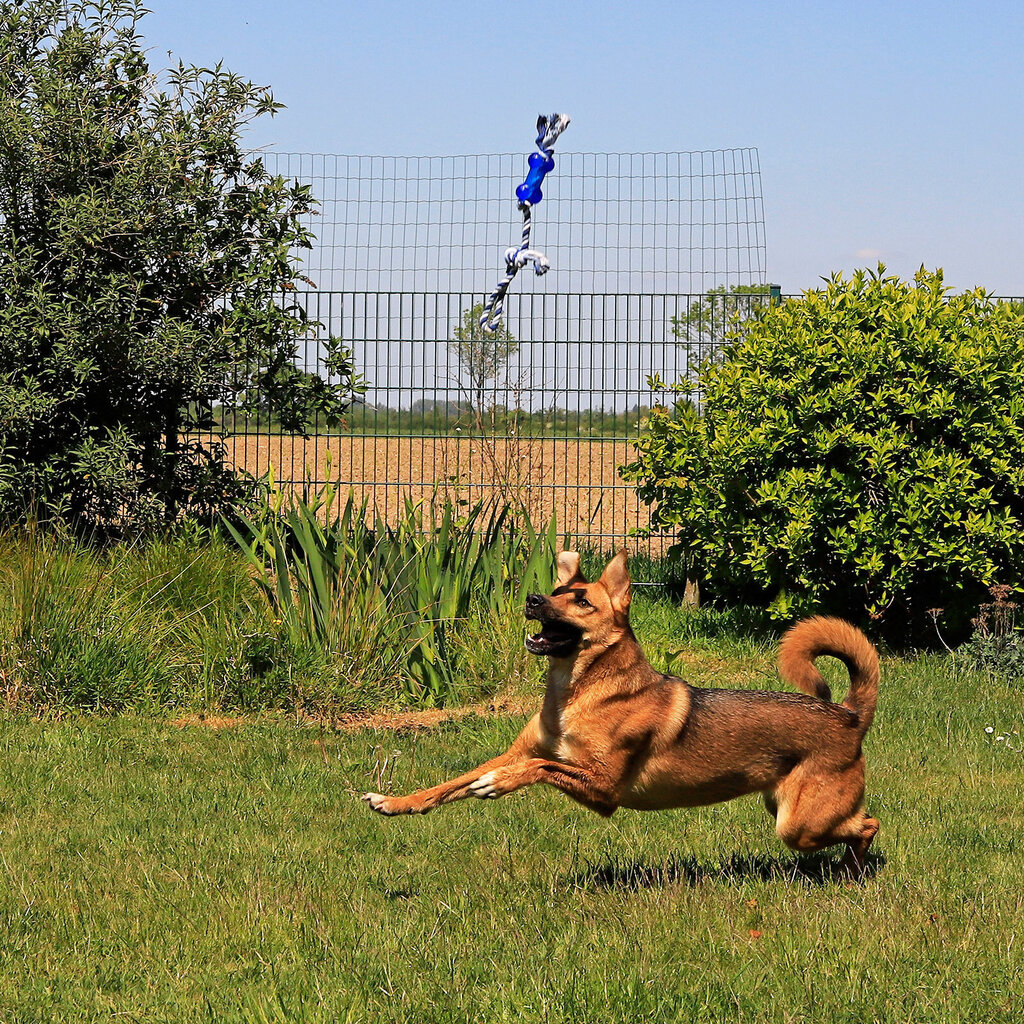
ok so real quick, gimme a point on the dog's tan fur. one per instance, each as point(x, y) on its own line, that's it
point(613, 732)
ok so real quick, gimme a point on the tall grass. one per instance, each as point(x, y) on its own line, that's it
point(313, 606)
point(173, 622)
point(399, 592)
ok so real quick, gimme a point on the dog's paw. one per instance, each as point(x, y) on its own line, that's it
point(380, 803)
point(486, 787)
point(391, 805)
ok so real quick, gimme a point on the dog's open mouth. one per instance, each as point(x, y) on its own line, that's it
point(555, 639)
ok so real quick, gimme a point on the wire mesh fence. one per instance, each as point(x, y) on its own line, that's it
point(542, 415)
point(609, 222)
point(546, 431)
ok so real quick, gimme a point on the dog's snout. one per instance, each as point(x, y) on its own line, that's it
point(534, 601)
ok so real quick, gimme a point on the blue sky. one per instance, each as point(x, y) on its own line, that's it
point(886, 130)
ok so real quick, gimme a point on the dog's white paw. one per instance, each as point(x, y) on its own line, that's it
point(486, 787)
point(379, 803)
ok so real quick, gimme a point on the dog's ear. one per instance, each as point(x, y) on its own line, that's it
point(569, 569)
point(615, 579)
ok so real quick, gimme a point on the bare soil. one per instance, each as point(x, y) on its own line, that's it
point(431, 718)
point(576, 480)
point(203, 721)
point(380, 721)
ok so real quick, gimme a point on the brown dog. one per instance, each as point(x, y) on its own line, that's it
point(614, 732)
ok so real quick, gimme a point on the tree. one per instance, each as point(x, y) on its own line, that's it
point(706, 324)
point(858, 453)
point(483, 356)
point(143, 256)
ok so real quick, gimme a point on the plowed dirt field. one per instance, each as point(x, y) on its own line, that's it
point(577, 480)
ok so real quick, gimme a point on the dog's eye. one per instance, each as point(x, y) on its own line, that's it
point(583, 602)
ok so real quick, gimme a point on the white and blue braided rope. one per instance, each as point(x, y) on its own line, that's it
point(516, 257)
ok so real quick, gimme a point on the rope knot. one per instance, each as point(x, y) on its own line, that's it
point(520, 257)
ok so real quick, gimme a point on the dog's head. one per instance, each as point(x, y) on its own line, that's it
point(578, 614)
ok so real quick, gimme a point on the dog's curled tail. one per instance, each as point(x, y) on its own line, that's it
point(816, 636)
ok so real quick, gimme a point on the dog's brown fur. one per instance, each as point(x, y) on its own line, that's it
point(613, 732)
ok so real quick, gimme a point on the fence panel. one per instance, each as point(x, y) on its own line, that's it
point(546, 431)
point(408, 247)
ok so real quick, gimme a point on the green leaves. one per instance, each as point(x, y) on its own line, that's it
point(395, 591)
point(143, 253)
point(483, 357)
point(860, 452)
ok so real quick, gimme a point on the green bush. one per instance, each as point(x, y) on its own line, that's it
point(859, 451)
point(997, 644)
point(143, 256)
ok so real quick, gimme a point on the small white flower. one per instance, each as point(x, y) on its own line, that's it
point(989, 729)
point(999, 739)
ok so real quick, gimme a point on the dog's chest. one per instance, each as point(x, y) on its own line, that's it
point(555, 735)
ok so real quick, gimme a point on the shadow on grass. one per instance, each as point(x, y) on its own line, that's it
point(632, 875)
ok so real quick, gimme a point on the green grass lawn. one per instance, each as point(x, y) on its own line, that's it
point(150, 873)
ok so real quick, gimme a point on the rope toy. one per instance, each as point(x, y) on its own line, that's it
point(549, 127)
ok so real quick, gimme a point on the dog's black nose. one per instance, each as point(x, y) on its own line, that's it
point(534, 601)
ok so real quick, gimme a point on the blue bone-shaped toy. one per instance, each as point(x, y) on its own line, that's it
point(529, 195)
point(529, 191)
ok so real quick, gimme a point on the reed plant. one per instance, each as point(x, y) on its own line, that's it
point(337, 574)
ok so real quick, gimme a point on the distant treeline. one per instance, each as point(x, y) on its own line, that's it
point(429, 417)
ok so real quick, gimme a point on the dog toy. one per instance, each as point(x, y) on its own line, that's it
point(549, 127)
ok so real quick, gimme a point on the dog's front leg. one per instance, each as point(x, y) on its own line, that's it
point(427, 799)
point(528, 744)
point(584, 785)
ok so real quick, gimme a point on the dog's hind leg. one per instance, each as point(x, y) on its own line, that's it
point(857, 831)
point(819, 810)
point(854, 860)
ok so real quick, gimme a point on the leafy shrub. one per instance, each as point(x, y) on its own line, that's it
point(143, 254)
point(997, 645)
point(859, 451)
point(1001, 656)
